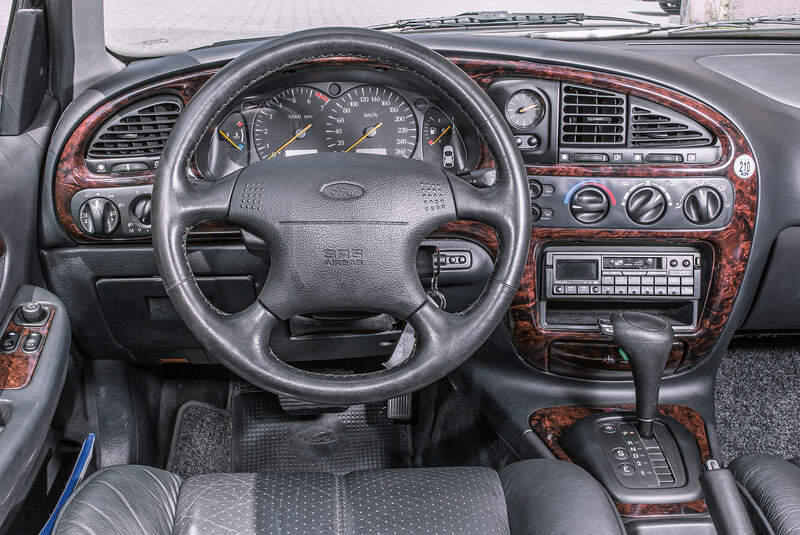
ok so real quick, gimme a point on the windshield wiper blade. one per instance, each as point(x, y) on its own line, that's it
point(738, 24)
point(499, 18)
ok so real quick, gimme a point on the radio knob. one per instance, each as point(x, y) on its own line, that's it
point(702, 205)
point(589, 205)
point(646, 205)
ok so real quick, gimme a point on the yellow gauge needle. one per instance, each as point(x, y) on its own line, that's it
point(435, 141)
point(366, 134)
point(232, 142)
point(297, 135)
point(526, 108)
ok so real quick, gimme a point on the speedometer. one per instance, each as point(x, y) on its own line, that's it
point(373, 120)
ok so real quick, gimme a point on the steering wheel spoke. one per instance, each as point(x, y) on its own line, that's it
point(206, 200)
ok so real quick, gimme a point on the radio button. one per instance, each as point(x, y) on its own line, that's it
point(673, 263)
point(661, 281)
point(634, 290)
point(687, 281)
point(686, 262)
point(608, 290)
point(634, 280)
point(687, 290)
point(607, 280)
point(660, 290)
point(648, 280)
point(595, 289)
point(621, 290)
point(647, 290)
point(674, 290)
point(583, 290)
point(674, 281)
point(621, 280)
point(570, 289)
point(681, 272)
point(558, 289)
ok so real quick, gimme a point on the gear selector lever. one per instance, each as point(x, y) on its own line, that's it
point(647, 341)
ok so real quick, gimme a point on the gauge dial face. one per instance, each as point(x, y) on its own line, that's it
point(232, 139)
point(289, 122)
point(525, 109)
point(438, 140)
point(373, 120)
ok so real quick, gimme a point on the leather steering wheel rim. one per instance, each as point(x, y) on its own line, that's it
point(401, 202)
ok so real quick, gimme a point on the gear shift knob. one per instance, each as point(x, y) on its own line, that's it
point(647, 340)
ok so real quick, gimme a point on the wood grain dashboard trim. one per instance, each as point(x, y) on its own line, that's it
point(550, 423)
point(17, 367)
point(730, 245)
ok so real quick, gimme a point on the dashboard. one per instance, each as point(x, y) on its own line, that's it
point(618, 167)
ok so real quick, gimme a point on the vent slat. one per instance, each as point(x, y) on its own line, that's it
point(141, 129)
point(662, 128)
point(592, 116)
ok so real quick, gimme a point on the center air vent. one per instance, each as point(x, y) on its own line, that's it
point(592, 116)
point(140, 129)
point(652, 125)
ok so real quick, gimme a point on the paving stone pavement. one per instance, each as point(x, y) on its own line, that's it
point(134, 27)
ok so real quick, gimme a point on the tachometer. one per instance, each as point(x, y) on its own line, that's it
point(373, 120)
point(289, 122)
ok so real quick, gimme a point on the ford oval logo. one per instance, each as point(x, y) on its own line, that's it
point(342, 191)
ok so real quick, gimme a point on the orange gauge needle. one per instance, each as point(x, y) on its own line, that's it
point(297, 135)
point(435, 141)
point(223, 134)
point(526, 108)
point(365, 136)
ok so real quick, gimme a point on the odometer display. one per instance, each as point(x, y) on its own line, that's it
point(373, 120)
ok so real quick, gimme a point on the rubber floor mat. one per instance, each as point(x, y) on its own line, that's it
point(268, 439)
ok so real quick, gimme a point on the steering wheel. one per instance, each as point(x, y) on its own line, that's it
point(342, 229)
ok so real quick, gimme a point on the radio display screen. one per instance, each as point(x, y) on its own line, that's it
point(576, 270)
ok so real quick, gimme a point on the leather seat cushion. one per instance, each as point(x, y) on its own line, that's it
point(771, 487)
point(122, 500)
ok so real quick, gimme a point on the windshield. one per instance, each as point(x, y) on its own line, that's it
point(146, 28)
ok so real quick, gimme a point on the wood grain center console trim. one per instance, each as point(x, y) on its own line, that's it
point(17, 367)
point(550, 423)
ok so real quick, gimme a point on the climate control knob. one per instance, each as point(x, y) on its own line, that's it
point(646, 205)
point(702, 205)
point(98, 217)
point(589, 205)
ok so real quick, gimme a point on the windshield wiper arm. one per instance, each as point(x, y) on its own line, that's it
point(499, 18)
point(791, 20)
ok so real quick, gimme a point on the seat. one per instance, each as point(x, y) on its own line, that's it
point(530, 497)
point(770, 487)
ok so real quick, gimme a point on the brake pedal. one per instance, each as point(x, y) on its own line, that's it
point(299, 407)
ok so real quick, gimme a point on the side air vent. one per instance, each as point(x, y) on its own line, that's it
point(140, 130)
point(592, 116)
point(653, 125)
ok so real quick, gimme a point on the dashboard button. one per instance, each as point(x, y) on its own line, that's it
point(674, 290)
point(661, 281)
point(583, 290)
point(661, 290)
point(648, 280)
point(608, 290)
point(674, 281)
point(570, 289)
point(621, 290)
point(687, 290)
point(558, 289)
point(647, 290)
point(687, 281)
point(607, 280)
point(621, 280)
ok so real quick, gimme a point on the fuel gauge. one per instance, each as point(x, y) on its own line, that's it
point(438, 139)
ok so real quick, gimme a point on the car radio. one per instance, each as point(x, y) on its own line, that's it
point(622, 273)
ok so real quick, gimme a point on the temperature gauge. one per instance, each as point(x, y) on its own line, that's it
point(232, 139)
point(525, 109)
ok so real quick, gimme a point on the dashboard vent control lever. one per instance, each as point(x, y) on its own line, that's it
point(702, 205)
point(647, 340)
point(646, 205)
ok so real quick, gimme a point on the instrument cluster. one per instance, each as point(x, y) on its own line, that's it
point(357, 117)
